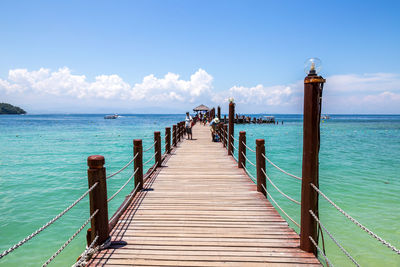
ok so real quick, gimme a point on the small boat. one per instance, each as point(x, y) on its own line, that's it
point(325, 117)
point(111, 116)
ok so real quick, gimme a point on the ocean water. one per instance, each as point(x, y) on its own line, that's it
point(43, 170)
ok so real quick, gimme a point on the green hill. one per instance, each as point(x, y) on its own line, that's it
point(10, 109)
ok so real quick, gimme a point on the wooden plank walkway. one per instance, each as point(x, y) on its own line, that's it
point(201, 210)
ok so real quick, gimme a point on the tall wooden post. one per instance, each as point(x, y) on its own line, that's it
point(242, 149)
point(157, 148)
point(174, 139)
point(231, 127)
point(260, 163)
point(168, 140)
point(311, 139)
point(138, 163)
point(226, 136)
point(219, 113)
point(98, 198)
point(224, 118)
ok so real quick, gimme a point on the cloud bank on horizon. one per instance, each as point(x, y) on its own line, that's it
point(44, 90)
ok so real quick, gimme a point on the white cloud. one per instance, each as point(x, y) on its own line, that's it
point(377, 92)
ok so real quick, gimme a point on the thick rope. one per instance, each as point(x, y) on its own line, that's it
point(234, 138)
point(269, 195)
point(248, 160)
point(150, 147)
point(151, 172)
point(123, 168)
point(84, 257)
point(234, 147)
point(69, 240)
point(233, 156)
point(248, 147)
point(291, 175)
point(126, 203)
point(122, 187)
point(384, 242)
point(150, 158)
point(26, 239)
point(333, 239)
point(248, 173)
point(320, 251)
point(283, 194)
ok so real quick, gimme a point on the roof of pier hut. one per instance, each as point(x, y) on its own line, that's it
point(201, 108)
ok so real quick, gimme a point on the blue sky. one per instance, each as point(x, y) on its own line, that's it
point(115, 56)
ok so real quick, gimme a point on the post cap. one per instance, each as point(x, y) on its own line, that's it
point(260, 142)
point(95, 161)
point(157, 133)
point(242, 132)
point(137, 142)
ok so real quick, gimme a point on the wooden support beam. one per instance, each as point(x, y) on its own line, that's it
point(260, 163)
point(98, 198)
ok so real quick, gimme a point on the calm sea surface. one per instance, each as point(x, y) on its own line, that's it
point(43, 170)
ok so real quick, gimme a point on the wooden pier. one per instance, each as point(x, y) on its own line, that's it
point(200, 209)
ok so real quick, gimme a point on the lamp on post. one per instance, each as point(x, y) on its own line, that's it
point(313, 85)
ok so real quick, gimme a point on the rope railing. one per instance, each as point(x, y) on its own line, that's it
point(248, 173)
point(234, 138)
point(151, 172)
point(283, 194)
point(122, 209)
point(69, 240)
point(289, 174)
point(333, 239)
point(150, 147)
point(290, 218)
point(123, 168)
point(150, 158)
point(122, 187)
point(384, 242)
point(233, 156)
point(26, 239)
point(233, 146)
point(84, 255)
point(321, 252)
point(248, 147)
point(248, 160)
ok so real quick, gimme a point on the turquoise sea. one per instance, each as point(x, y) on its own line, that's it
point(43, 170)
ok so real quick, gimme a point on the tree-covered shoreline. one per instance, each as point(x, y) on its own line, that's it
point(6, 108)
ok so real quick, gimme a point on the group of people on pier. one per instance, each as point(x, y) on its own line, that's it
point(213, 122)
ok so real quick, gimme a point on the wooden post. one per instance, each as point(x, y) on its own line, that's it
point(174, 139)
point(311, 123)
point(98, 198)
point(242, 149)
point(138, 163)
point(224, 118)
point(219, 113)
point(231, 127)
point(260, 163)
point(182, 129)
point(157, 148)
point(226, 136)
point(168, 140)
point(178, 132)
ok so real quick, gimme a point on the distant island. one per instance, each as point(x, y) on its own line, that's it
point(6, 108)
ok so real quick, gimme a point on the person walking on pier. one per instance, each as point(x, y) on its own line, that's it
point(188, 125)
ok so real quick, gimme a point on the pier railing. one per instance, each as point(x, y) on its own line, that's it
point(310, 225)
point(100, 226)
